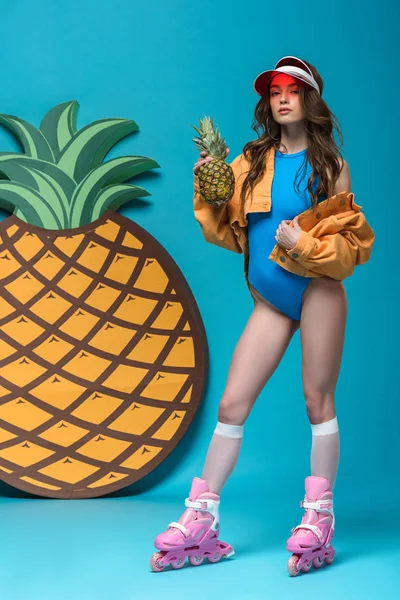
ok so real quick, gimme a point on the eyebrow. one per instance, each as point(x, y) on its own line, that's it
point(278, 86)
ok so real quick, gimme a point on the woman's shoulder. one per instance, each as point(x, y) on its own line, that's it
point(241, 159)
point(343, 182)
point(238, 159)
point(239, 163)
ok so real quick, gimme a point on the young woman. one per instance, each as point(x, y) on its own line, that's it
point(297, 125)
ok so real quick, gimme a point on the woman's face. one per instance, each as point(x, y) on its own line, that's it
point(284, 93)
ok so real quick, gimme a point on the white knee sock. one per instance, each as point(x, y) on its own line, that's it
point(325, 450)
point(222, 455)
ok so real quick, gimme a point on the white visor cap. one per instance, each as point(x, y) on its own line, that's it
point(291, 65)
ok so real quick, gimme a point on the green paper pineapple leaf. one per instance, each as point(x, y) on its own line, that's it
point(61, 181)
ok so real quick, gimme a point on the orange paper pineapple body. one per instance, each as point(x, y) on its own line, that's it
point(103, 354)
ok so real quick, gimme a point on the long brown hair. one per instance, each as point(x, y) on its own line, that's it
point(322, 151)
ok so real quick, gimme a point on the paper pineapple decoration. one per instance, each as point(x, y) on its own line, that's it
point(216, 178)
point(103, 354)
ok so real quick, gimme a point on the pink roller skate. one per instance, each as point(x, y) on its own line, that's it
point(195, 534)
point(311, 540)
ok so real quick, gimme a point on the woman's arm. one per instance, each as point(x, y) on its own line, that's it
point(214, 220)
point(336, 255)
point(343, 183)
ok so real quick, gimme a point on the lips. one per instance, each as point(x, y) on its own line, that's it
point(284, 111)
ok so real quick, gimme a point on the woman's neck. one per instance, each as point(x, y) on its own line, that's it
point(294, 138)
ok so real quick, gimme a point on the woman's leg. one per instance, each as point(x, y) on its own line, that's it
point(322, 331)
point(256, 356)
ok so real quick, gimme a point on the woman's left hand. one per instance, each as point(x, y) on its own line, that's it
point(288, 234)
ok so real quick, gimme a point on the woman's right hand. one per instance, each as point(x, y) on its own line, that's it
point(205, 158)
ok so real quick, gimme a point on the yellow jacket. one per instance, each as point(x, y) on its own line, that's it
point(335, 236)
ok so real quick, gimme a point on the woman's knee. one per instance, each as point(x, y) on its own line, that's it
point(319, 405)
point(233, 410)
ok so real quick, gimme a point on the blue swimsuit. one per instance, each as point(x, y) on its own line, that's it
point(279, 287)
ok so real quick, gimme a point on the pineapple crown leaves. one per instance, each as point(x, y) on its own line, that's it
point(210, 139)
point(60, 181)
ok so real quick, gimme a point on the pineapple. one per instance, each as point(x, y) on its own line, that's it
point(216, 178)
point(103, 353)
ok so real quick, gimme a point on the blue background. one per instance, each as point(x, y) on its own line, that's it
point(164, 65)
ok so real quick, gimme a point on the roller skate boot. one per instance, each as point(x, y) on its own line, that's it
point(195, 535)
point(311, 540)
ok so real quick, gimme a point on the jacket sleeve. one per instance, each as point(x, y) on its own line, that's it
point(336, 255)
point(214, 220)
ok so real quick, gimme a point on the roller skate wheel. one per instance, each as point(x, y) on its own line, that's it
point(305, 568)
point(293, 565)
point(214, 558)
point(317, 562)
point(156, 563)
point(196, 560)
point(178, 564)
point(329, 559)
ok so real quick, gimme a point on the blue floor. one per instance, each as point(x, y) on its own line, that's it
point(99, 549)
